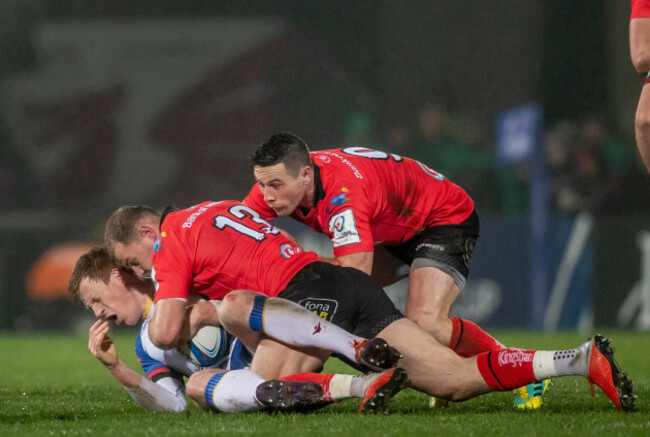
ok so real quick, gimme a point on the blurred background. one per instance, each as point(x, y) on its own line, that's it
point(528, 105)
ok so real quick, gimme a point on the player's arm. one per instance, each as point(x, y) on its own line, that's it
point(642, 125)
point(166, 325)
point(360, 260)
point(202, 313)
point(640, 44)
point(169, 395)
point(103, 348)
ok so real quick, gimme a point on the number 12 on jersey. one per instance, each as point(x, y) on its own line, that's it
point(238, 214)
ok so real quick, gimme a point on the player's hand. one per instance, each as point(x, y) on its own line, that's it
point(101, 345)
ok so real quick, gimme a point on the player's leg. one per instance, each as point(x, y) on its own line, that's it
point(247, 314)
point(231, 392)
point(439, 258)
point(431, 293)
point(437, 371)
point(433, 368)
point(242, 390)
point(375, 389)
point(273, 360)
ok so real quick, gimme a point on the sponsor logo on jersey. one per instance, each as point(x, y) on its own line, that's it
point(340, 199)
point(324, 308)
point(287, 250)
point(190, 220)
point(357, 173)
point(344, 229)
point(514, 357)
point(323, 158)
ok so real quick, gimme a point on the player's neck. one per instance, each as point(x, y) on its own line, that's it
point(307, 202)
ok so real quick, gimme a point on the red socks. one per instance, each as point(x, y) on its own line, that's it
point(507, 368)
point(468, 340)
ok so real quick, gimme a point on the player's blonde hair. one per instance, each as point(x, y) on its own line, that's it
point(121, 226)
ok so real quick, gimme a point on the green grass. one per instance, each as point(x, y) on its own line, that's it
point(51, 385)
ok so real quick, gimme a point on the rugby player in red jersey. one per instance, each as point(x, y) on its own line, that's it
point(640, 53)
point(384, 214)
point(222, 381)
point(225, 250)
point(362, 198)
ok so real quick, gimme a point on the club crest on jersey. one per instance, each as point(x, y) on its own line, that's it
point(324, 308)
point(344, 229)
point(340, 199)
point(287, 250)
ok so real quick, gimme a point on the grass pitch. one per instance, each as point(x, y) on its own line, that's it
point(51, 385)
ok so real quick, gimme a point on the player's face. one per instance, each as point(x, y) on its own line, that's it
point(282, 192)
point(136, 255)
point(112, 301)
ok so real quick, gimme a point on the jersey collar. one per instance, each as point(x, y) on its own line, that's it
point(165, 212)
point(319, 191)
point(147, 308)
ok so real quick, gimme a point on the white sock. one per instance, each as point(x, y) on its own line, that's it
point(547, 364)
point(340, 386)
point(290, 323)
point(235, 392)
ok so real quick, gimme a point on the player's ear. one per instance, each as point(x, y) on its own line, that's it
point(116, 272)
point(306, 174)
point(147, 231)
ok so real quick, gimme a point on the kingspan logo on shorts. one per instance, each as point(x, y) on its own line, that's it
point(324, 308)
point(287, 250)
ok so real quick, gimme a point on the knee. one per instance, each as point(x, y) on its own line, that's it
point(236, 307)
point(433, 321)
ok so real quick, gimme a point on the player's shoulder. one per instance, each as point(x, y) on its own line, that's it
point(187, 217)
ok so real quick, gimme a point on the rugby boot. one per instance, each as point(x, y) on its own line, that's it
point(529, 397)
point(378, 394)
point(376, 353)
point(281, 395)
point(606, 374)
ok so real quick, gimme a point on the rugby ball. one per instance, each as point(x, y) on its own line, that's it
point(209, 347)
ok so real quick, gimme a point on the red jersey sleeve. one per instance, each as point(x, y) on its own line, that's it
point(172, 268)
point(640, 9)
point(255, 200)
point(347, 222)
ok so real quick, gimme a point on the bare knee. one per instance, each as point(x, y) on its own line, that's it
point(236, 307)
point(435, 322)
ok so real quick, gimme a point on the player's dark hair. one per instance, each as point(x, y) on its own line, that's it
point(284, 147)
point(121, 225)
point(96, 265)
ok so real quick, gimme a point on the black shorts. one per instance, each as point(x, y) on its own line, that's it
point(445, 245)
point(344, 296)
